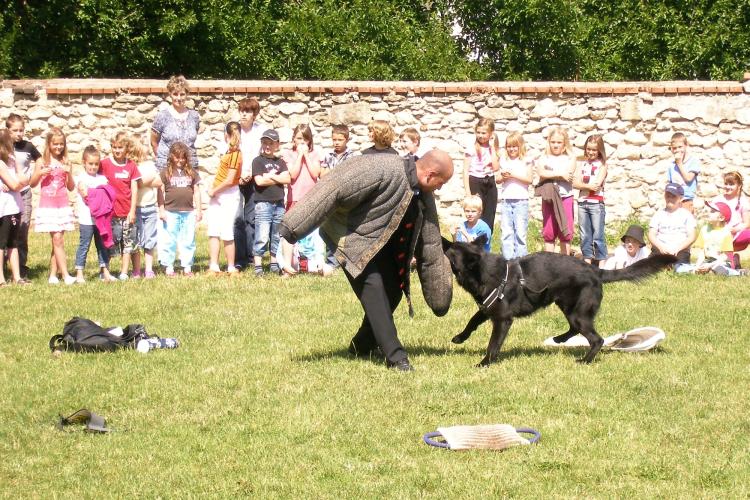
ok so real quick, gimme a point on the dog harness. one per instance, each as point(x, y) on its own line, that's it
point(499, 292)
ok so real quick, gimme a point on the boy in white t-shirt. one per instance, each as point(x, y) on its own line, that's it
point(672, 229)
point(632, 250)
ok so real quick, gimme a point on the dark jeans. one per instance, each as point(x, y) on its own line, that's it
point(244, 227)
point(378, 289)
point(88, 232)
point(486, 189)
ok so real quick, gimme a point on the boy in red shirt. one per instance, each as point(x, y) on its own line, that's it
point(122, 174)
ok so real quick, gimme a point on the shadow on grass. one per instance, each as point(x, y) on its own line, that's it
point(418, 350)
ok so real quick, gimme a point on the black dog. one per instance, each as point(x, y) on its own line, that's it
point(506, 289)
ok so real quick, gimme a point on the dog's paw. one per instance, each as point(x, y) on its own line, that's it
point(458, 339)
point(485, 363)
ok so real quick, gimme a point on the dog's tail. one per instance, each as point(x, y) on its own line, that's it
point(640, 270)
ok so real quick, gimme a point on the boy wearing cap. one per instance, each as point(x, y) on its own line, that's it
point(632, 250)
point(714, 243)
point(270, 175)
point(672, 229)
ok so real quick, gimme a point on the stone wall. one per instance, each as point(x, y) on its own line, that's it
point(636, 119)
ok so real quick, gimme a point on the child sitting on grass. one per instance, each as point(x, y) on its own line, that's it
point(473, 227)
point(672, 229)
point(632, 250)
point(714, 243)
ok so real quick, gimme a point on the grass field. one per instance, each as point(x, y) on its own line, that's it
point(262, 399)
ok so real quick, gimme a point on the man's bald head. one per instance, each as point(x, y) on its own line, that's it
point(434, 169)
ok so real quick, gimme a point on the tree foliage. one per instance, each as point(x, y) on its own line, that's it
point(595, 40)
point(384, 40)
point(264, 39)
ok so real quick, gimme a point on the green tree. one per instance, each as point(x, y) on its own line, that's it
point(595, 40)
point(304, 39)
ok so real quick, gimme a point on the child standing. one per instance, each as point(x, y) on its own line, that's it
point(409, 142)
point(340, 139)
point(739, 222)
point(556, 170)
point(481, 161)
point(11, 205)
point(85, 182)
point(224, 199)
point(122, 174)
point(714, 243)
point(589, 179)
point(54, 214)
point(683, 169)
point(26, 154)
point(146, 211)
point(632, 250)
point(270, 175)
point(244, 223)
point(303, 163)
point(672, 229)
point(516, 173)
point(381, 135)
point(181, 198)
point(473, 227)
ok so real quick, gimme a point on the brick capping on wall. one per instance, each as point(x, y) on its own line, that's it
point(80, 86)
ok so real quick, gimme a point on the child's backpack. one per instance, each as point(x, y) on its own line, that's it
point(83, 335)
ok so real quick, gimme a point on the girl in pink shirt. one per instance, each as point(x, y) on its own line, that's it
point(303, 163)
point(739, 223)
point(54, 214)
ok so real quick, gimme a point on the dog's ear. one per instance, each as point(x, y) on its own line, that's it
point(480, 241)
point(447, 244)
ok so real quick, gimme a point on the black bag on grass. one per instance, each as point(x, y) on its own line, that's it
point(83, 335)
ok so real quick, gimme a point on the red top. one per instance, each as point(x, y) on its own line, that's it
point(120, 177)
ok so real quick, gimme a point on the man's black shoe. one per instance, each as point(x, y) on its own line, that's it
point(365, 353)
point(401, 365)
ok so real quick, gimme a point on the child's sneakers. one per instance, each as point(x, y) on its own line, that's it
point(123, 277)
point(259, 271)
point(275, 269)
point(136, 275)
point(169, 272)
point(69, 280)
point(53, 280)
point(149, 275)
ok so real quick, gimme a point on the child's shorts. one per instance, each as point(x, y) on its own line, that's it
point(124, 235)
point(9, 225)
point(550, 230)
point(221, 212)
point(146, 220)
